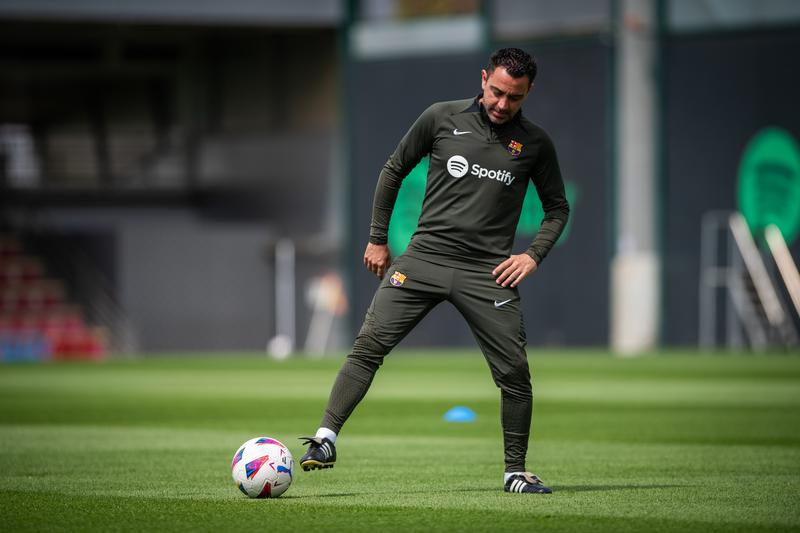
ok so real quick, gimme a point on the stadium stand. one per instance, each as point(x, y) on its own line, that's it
point(37, 320)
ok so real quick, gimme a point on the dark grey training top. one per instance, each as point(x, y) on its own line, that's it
point(477, 179)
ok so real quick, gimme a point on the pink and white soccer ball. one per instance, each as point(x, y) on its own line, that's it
point(262, 468)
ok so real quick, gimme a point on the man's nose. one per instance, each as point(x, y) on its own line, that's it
point(502, 103)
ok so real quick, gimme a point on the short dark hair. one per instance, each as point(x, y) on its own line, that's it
point(517, 63)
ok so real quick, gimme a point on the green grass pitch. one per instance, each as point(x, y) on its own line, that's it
point(679, 442)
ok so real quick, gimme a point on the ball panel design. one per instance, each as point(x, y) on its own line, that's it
point(262, 468)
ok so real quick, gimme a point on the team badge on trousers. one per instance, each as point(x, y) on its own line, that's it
point(514, 148)
point(397, 279)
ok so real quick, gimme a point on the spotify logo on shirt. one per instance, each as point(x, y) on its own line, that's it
point(458, 166)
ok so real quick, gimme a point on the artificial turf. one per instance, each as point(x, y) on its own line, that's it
point(673, 442)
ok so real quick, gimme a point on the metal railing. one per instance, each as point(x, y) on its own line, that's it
point(752, 303)
point(786, 266)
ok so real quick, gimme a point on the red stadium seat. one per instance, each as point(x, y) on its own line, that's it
point(22, 268)
point(78, 344)
point(9, 247)
point(36, 319)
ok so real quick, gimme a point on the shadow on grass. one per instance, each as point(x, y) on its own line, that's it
point(600, 488)
point(494, 489)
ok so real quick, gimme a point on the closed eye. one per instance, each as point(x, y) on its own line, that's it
point(513, 97)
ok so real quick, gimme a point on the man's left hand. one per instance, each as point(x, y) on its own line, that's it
point(514, 269)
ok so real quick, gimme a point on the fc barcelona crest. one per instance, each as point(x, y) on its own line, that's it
point(397, 279)
point(514, 148)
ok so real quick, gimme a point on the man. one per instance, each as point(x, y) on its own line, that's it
point(482, 154)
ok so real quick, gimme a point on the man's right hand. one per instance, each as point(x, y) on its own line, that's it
point(377, 258)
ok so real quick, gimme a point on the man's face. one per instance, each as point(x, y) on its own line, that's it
point(503, 95)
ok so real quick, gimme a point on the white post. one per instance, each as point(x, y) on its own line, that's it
point(635, 269)
point(282, 345)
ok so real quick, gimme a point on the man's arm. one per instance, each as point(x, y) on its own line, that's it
point(416, 143)
point(550, 187)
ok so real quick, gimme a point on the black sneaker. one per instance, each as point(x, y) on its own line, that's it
point(321, 453)
point(526, 482)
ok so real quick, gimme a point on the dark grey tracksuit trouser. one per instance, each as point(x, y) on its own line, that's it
point(409, 290)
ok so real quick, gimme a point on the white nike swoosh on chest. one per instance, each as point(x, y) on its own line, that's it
point(499, 304)
point(456, 132)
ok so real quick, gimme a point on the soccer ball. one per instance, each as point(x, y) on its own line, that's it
point(262, 468)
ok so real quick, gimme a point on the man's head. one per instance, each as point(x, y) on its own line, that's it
point(506, 82)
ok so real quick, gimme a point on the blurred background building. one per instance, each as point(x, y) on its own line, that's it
point(198, 176)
